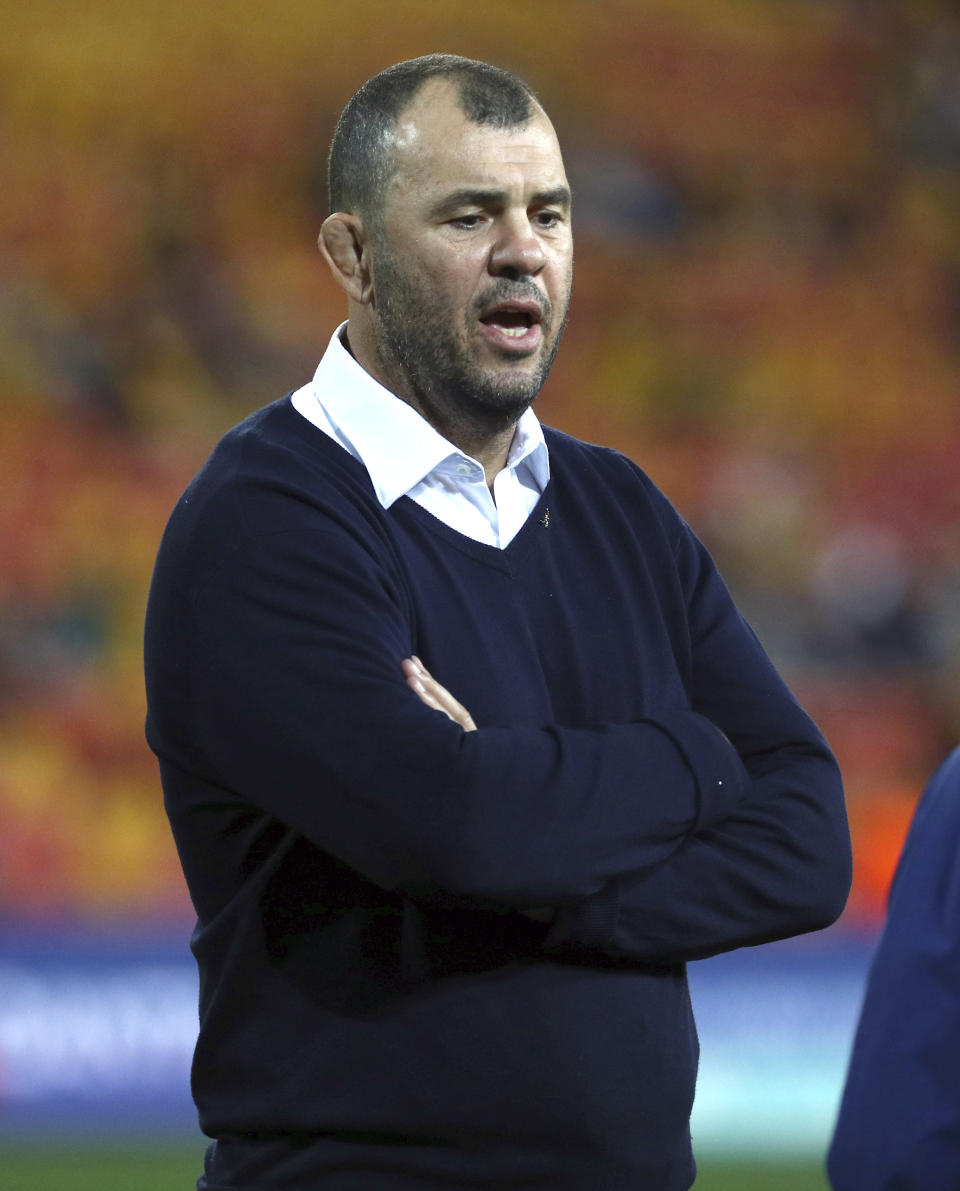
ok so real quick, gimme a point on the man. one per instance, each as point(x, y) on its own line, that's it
point(899, 1122)
point(444, 904)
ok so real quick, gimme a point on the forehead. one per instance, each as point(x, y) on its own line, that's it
point(437, 147)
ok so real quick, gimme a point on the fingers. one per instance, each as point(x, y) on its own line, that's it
point(434, 695)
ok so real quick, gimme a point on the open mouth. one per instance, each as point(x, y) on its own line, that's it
point(516, 322)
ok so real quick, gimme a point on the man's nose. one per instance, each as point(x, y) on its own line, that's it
point(518, 251)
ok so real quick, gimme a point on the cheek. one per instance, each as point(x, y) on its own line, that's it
point(562, 287)
point(457, 270)
point(445, 280)
point(463, 282)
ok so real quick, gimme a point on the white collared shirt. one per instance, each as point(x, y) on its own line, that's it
point(405, 456)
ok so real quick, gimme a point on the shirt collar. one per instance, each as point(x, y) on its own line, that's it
point(398, 447)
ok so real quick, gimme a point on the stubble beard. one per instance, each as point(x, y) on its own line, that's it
point(418, 342)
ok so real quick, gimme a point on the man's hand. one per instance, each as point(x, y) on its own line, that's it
point(434, 695)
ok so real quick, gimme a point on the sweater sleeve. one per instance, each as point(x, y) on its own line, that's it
point(779, 863)
point(295, 705)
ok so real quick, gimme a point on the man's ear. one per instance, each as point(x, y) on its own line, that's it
point(343, 244)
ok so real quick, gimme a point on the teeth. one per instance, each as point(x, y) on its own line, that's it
point(514, 332)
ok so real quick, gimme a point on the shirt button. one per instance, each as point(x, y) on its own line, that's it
point(464, 469)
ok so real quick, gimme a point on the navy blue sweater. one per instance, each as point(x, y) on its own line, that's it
point(375, 1013)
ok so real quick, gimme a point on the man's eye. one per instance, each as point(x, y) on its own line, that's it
point(466, 221)
point(547, 218)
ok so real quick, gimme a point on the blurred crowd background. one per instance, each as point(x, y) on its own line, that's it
point(766, 317)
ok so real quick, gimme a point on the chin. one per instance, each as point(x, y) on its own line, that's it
point(507, 394)
point(513, 373)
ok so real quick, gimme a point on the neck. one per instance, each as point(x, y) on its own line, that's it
point(483, 434)
point(490, 452)
point(488, 443)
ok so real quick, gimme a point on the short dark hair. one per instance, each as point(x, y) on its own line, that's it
point(361, 162)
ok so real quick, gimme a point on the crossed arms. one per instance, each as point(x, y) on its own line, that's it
point(656, 841)
point(641, 923)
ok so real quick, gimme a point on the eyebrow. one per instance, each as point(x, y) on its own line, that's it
point(557, 196)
